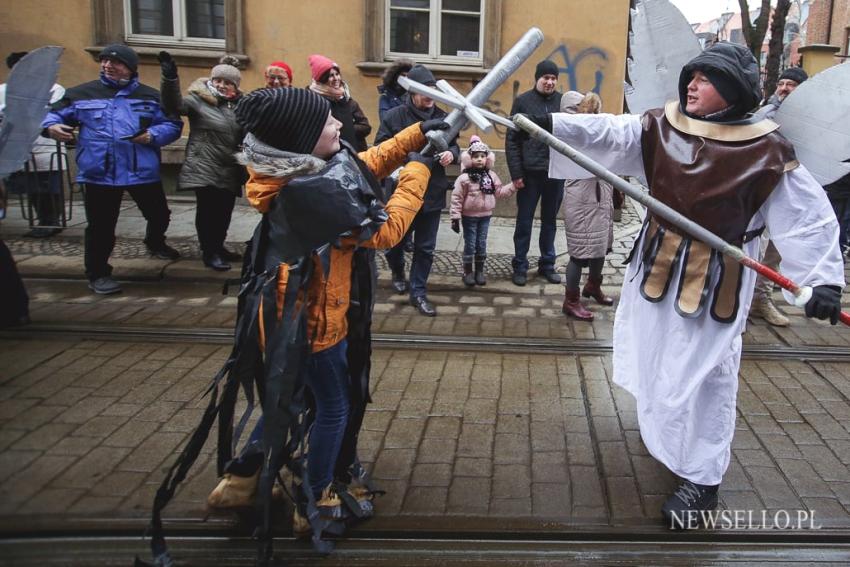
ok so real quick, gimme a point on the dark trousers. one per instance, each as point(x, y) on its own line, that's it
point(329, 381)
point(42, 189)
point(103, 203)
point(424, 229)
point(474, 237)
point(212, 217)
point(14, 301)
point(550, 193)
point(841, 206)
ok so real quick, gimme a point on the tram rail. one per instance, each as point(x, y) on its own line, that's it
point(106, 542)
point(94, 331)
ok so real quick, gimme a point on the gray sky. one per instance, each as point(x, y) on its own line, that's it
point(703, 10)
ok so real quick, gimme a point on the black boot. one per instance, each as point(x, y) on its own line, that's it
point(683, 509)
point(400, 284)
point(480, 279)
point(216, 262)
point(468, 278)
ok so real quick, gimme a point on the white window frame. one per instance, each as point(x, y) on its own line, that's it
point(435, 12)
point(180, 37)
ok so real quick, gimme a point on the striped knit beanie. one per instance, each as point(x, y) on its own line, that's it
point(288, 119)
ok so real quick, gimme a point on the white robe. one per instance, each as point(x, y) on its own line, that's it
point(683, 372)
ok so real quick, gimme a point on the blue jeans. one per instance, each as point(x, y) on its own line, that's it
point(326, 374)
point(474, 237)
point(424, 228)
point(328, 379)
point(550, 193)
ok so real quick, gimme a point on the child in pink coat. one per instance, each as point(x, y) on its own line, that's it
point(473, 200)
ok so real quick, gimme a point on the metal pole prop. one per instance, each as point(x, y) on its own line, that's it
point(802, 294)
point(467, 108)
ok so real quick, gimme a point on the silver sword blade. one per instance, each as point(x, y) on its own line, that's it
point(453, 102)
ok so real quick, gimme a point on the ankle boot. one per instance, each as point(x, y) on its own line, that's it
point(468, 278)
point(593, 288)
point(480, 279)
point(573, 307)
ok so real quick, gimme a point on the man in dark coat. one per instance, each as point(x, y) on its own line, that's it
point(419, 108)
point(528, 163)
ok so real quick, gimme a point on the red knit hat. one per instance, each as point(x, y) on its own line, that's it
point(280, 65)
point(319, 65)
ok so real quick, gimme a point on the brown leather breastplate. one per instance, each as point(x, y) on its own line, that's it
point(718, 176)
point(719, 184)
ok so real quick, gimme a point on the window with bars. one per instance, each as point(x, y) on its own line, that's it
point(447, 31)
point(192, 23)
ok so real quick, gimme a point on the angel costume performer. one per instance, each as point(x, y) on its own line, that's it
point(683, 309)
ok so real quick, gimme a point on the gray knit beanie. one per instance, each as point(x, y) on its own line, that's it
point(227, 69)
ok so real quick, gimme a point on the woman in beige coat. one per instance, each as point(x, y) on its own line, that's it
point(588, 217)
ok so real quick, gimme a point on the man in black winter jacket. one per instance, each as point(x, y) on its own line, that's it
point(419, 108)
point(528, 163)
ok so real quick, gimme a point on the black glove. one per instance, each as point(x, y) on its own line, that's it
point(167, 65)
point(825, 303)
point(456, 225)
point(428, 161)
point(433, 124)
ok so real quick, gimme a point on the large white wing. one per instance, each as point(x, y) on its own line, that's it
point(28, 91)
point(660, 43)
point(815, 117)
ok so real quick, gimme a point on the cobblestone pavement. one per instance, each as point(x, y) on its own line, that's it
point(89, 427)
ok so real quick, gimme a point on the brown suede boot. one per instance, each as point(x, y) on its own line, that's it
point(593, 288)
point(573, 307)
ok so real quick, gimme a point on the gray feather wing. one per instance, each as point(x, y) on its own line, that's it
point(660, 43)
point(815, 117)
point(27, 96)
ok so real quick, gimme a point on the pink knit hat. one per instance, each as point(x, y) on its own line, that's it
point(319, 65)
point(476, 145)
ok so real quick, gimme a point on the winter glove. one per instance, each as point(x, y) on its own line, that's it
point(167, 65)
point(433, 124)
point(427, 161)
point(825, 303)
point(456, 225)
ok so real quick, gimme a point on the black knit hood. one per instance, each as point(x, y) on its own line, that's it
point(733, 71)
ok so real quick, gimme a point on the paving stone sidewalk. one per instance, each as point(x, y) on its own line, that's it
point(88, 428)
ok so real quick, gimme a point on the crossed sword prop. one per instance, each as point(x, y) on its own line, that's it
point(468, 108)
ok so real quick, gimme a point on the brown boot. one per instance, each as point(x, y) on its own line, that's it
point(573, 307)
point(764, 307)
point(468, 276)
point(593, 288)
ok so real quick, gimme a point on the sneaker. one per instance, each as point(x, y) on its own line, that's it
point(104, 286)
point(683, 509)
point(164, 252)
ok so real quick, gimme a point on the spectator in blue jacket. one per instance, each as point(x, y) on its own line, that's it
point(121, 129)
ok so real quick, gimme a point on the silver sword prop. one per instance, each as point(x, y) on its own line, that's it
point(438, 140)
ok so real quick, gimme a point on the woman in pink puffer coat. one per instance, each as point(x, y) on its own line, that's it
point(473, 200)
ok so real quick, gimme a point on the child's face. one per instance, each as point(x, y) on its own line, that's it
point(478, 159)
point(328, 143)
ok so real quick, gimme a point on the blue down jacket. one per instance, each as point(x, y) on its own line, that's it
point(106, 113)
